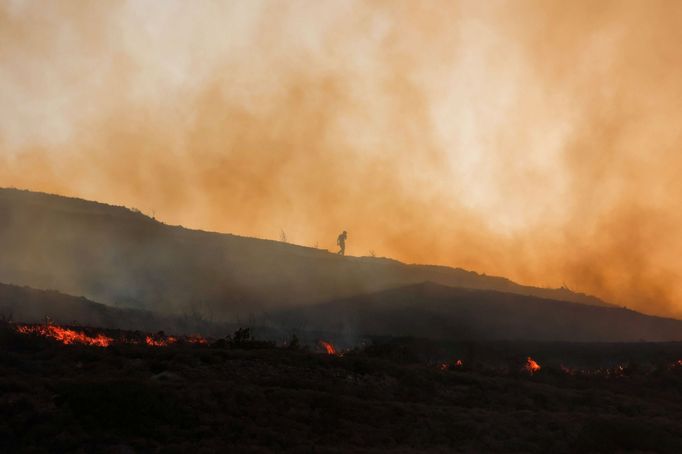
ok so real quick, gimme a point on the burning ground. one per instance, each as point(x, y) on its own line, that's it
point(243, 394)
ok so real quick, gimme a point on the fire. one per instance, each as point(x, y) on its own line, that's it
point(66, 336)
point(531, 366)
point(329, 348)
point(163, 342)
point(69, 336)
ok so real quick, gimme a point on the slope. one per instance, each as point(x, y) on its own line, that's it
point(429, 310)
point(121, 257)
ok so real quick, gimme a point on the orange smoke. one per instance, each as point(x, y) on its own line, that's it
point(535, 140)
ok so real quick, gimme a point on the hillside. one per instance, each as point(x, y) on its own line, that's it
point(23, 304)
point(121, 257)
point(438, 312)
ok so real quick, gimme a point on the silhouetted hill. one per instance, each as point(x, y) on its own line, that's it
point(434, 311)
point(27, 305)
point(121, 257)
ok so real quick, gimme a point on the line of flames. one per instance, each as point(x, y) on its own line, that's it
point(532, 367)
point(68, 336)
point(65, 335)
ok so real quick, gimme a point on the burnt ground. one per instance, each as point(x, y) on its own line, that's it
point(255, 397)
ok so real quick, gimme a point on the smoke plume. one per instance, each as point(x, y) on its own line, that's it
point(536, 140)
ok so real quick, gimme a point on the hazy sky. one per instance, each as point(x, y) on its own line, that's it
point(538, 140)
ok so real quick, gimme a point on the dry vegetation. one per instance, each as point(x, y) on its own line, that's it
point(241, 394)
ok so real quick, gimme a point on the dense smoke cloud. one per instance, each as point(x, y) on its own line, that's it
point(536, 140)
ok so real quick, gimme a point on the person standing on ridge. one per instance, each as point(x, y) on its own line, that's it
point(341, 242)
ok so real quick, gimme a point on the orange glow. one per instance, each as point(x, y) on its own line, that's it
point(161, 342)
point(65, 336)
point(69, 336)
point(171, 119)
point(329, 348)
point(531, 366)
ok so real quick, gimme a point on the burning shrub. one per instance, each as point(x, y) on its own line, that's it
point(329, 348)
point(65, 335)
point(160, 340)
point(531, 366)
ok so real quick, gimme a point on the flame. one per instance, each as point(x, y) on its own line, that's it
point(459, 363)
point(66, 336)
point(329, 348)
point(160, 342)
point(69, 336)
point(531, 366)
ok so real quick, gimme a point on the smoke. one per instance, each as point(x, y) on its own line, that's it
point(535, 140)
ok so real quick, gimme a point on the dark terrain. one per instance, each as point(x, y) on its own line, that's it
point(251, 396)
point(120, 257)
point(29, 305)
point(435, 311)
point(426, 310)
point(271, 387)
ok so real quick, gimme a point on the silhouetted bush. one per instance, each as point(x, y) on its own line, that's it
point(243, 339)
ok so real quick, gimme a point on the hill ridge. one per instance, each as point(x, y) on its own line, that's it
point(119, 256)
point(436, 311)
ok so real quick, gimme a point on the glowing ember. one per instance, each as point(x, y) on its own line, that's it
point(328, 347)
point(162, 342)
point(196, 340)
point(456, 365)
point(531, 366)
point(66, 336)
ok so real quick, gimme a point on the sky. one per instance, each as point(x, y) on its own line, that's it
point(538, 140)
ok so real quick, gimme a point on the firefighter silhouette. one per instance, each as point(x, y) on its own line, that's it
point(341, 242)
